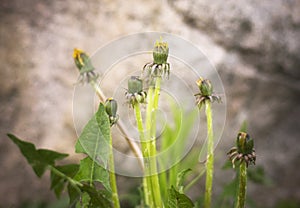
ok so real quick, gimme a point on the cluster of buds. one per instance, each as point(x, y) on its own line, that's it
point(135, 93)
point(206, 92)
point(244, 150)
point(111, 108)
point(85, 67)
point(159, 67)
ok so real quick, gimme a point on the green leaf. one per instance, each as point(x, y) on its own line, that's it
point(90, 171)
point(58, 182)
point(74, 195)
point(38, 159)
point(180, 177)
point(95, 138)
point(178, 200)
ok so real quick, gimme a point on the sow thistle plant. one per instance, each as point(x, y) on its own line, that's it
point(81, 181)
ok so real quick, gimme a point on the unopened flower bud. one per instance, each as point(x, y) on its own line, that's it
point(244, 143)
point(111, 108)
point(160, 52)
point(82, 61)
point(135, 85)
point(205, 87)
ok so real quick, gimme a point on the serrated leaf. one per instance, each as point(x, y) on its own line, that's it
point(38, 159)
point(58, 182)
point(178, 200)
point(90, 171)
point(95, 137)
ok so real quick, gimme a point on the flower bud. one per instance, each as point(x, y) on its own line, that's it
point(244, 143)
point(111, 107)
point(82, 61)
point(205, 87)
point(160, 52)
point(135, 85)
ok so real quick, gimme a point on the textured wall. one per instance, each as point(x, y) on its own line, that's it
point(254, 45)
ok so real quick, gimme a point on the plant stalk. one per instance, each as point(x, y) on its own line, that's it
point(210, 156)
point(112, 178)
point(241, 195)
point(153, 98)
point(146, 179)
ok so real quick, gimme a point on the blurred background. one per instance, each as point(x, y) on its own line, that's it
point(254, 45)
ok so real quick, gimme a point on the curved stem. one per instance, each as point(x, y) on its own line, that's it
point(241, 195)
point(210, 156)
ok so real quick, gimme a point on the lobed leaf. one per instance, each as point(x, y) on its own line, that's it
point(39, 159)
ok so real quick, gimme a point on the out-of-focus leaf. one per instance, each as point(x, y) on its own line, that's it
point(39, 159)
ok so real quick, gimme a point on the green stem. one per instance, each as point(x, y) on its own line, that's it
point(151, 142)
point(210, 156)
point(112, 178)
point(146, 180)
point(241, 195)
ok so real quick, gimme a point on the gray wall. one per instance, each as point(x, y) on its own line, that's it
point(253, 44)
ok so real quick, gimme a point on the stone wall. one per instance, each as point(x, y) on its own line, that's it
point(253, 44)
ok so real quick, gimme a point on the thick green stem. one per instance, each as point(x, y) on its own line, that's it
point(153, 98)
point(210, 156)
point(112, 178)
point(241, 195)
point(146, 180)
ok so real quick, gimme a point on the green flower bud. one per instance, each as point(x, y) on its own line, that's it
point(135, 85)
point(82, 61)
point(244, 143)
point(160, 52)
point(111, 108)
point(205, 87)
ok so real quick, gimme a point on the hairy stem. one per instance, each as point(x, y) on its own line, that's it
point(133, 146)
point(112, 178)
point(210, 156)
point(241, 195)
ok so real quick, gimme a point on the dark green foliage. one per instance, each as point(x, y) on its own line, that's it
point(39, 159)
point(58, 182)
